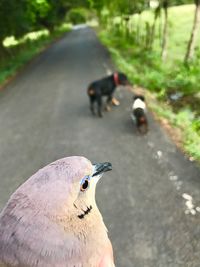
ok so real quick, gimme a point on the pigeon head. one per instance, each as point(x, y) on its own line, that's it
point(64, 188)
point(86, 196)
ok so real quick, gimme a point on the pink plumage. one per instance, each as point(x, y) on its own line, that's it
point(52, 220)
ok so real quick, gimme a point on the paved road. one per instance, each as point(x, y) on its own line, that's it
point(44, 115)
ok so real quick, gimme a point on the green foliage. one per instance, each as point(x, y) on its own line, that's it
point(77, 15)
point(180, 2)
point(14, 19)
point(196, 126)
point(18, 17)
point(192, 142)
point(37, 9)
point(150, 72)
point(128, 7)
point(182, 80)
point(189, 126)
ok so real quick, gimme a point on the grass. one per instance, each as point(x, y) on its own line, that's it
point(189, 130)
point(180, 25)
point(145, 68)
point(19, 52)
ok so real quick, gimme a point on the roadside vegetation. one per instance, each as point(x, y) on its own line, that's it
point(168, 67)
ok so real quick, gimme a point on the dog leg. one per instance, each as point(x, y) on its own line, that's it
point(143, 128)
point(115, 102)
point(99, 106)
point(108, 102)
point(92, 100)
point(107, 107)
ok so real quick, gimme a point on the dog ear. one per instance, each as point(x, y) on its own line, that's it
point(142, 98)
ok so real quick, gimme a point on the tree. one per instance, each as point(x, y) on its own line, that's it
point(157, 14)
point(128, 6)
point(180, 2)
point(165, 5)
point(14, 19)
point(193, 37)
point(18, 17)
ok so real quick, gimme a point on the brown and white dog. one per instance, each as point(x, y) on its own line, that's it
point(139, 113)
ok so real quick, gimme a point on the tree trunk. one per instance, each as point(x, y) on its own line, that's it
point(2, 51)
point(160, 26)
point(192, 41)
point(152, 33)
point(153, 27)
point(138, 35)
point(165, 31)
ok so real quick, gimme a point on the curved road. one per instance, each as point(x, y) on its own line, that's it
point(44, 116)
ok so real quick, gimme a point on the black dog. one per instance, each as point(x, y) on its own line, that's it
point(105, 87)
point(139, 112)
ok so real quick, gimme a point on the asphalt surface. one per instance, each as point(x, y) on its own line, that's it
point(44, 115)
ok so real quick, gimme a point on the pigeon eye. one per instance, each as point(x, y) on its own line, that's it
point(85, 185)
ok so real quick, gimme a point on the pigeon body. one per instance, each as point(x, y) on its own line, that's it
point(52, 220)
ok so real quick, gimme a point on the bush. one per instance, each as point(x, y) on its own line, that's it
point(77, 15)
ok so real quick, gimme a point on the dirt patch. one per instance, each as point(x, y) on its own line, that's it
point(190, 101)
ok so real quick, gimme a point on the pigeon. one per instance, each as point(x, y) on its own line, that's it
point(52, 219)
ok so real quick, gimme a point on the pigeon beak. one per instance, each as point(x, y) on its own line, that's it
point(100, 168)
